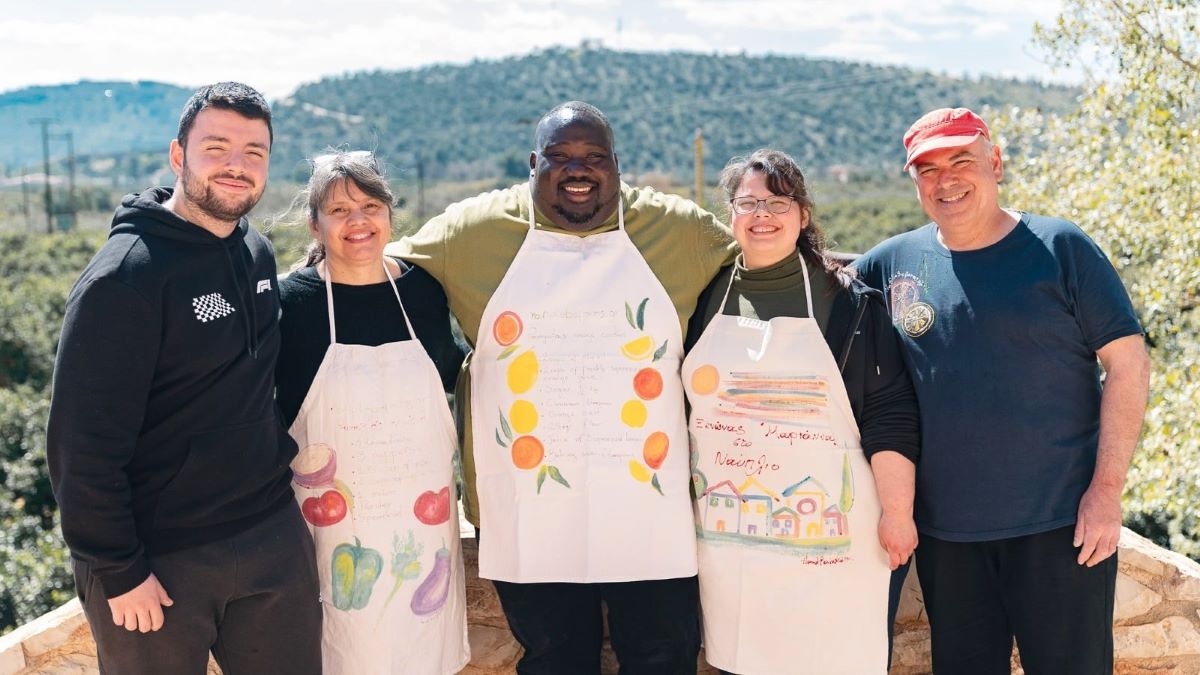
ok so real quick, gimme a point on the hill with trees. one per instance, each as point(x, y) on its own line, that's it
point(475, 121)
point(105, 118)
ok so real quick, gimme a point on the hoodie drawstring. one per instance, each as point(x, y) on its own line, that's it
point(249, 318)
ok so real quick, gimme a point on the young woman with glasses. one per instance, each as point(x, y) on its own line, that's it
point(805, 432)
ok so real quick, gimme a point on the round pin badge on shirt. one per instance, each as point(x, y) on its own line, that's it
point(917, 319)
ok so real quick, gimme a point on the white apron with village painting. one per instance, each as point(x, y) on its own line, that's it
point(577, 417)
point(375, 482)
point(792, 577)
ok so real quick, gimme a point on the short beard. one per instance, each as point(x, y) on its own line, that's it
point(200, 194)
point(578, 218)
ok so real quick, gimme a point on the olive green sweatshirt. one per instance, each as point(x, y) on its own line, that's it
point(470, 246)
point(773, 291)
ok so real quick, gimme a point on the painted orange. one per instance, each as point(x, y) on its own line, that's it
point(705, 380)
point(527, 452)
point(654, 450)
point(507, 328)
point(647, 384)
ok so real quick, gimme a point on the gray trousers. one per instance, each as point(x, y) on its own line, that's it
point(250, 599)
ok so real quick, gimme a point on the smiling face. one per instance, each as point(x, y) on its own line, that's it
point(575, 171)
point(765, 237)
point(223, 168)
point(354, 227)
point(958, 187)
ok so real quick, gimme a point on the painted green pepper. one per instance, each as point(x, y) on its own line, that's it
point(354, 570)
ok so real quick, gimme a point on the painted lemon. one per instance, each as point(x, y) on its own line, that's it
point(527, 452)
point(638, 349)
point(523, 416)
point(633, 413)
point(705, 380)
point(639, 472)
point(654, 450)
point(522, 373)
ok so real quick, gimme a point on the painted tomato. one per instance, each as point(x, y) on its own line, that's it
point(433, 508)
point(325, 510)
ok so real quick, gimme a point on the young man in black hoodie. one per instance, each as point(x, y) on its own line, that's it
point(169, 464)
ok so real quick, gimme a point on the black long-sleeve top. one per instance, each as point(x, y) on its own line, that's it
point(365, 315)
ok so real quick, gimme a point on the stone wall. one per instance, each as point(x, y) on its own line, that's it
point(1156, 625)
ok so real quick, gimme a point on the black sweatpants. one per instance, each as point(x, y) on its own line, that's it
point(252, 600)
point(654, 625)
point(980, 595)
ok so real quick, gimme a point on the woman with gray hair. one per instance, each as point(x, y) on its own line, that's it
point(367, 355)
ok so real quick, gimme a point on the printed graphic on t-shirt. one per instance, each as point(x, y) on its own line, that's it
point(909, 312)
point(211, 306)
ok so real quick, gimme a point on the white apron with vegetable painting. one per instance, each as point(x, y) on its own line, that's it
point(577, 417)
point(792, 577)
point(375, 482)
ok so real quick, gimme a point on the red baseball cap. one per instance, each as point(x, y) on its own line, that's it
point(943, 128)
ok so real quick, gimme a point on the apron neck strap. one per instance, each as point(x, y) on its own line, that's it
point(807, 286)
point(533, 214)
point(323, 269)
point(412, 334)
point(804, 270)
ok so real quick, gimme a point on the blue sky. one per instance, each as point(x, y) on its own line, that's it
point(276, 45)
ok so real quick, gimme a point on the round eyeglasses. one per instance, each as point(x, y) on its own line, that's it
point(777, 204)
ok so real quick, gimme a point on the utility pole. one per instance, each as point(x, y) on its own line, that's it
point(699, 170)
point(25, 199)
point(420, 189)
point(71, 203)
point(45, 122)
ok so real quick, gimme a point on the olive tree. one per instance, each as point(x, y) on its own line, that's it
point(1124, 165)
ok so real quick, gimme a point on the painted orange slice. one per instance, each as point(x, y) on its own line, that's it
point(647, 384)
point(507, 328)
point(527, 452)
point(705, 380)
point(654, 450)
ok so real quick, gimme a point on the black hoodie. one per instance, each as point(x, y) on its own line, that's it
point(163, 433)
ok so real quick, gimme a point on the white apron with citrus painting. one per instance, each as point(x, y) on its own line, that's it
point(577, 417)
point(375, 482)
point(792, 577)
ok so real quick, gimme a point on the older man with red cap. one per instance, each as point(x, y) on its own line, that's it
point(1003, 315)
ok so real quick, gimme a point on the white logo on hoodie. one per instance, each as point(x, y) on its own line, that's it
point(263, 285)
point(211, 306)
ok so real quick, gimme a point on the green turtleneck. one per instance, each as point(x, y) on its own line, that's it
point(773, 291)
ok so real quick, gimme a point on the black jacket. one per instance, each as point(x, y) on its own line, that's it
point(163, 433)
point(863, 342)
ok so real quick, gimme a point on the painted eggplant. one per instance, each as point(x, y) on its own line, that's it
point(431, 595)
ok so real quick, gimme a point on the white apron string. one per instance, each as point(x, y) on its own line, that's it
point(741, 259)
point(323, 268)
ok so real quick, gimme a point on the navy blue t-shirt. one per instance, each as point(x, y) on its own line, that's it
point(1001, 344)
